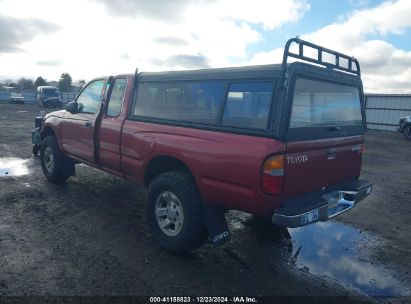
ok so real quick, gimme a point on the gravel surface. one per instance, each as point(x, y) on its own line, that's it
point(89, 236)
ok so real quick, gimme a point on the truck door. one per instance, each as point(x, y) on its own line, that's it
point(325, 135)
point(78, 129)
point(112, 120)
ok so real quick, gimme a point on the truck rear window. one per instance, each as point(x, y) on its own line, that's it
point(318, 103)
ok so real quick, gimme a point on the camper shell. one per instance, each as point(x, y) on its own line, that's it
point(283, 141)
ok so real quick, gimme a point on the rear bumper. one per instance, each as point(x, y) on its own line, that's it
point(321, 205)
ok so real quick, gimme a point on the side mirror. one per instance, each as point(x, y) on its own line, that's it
point(73, 107)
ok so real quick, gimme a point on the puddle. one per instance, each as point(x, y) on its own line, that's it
point(332, 249)
point(13, 167)
point(327, 249)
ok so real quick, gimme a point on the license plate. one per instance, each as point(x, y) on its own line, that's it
point(310, 217)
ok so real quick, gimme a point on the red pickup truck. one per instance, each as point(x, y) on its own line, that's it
point(282, 141)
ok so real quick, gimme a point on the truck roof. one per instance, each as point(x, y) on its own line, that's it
point(245, 72)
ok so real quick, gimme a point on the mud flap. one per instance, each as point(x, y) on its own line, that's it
point(69, 167)
point(216, 224)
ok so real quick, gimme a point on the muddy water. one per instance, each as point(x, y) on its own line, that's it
point(13, 167)
point(332, 251)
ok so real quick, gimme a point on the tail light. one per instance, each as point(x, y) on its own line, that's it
point(272, 178)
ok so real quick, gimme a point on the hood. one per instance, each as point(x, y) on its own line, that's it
point(59, 113)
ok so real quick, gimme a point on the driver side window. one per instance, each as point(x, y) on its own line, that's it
point(91, 96)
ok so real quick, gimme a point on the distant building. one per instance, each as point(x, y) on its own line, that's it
point(384, 110)
point(76, 87)
point(7, 88)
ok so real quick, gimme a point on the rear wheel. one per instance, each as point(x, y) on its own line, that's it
point(407, 132)
point(56, 166)
point(174, 212)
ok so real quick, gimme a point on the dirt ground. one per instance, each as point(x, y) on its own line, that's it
point(89, 236)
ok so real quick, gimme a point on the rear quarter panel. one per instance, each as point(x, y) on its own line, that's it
point(226, 166)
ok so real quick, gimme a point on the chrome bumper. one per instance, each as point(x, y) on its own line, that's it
point(333, 204)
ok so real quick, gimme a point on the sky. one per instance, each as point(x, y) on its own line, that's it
point(91, 38)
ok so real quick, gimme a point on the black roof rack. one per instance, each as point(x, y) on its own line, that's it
point(349, 68)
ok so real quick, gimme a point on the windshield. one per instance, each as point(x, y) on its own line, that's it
point(318, 103)
point(51, 92)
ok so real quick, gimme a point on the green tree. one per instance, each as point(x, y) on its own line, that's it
point(40, 81)
point(65, 82)
point(25, 84)
point(82, 83)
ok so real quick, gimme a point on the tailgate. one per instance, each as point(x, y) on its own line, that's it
point(325, 136)
point(313, 165)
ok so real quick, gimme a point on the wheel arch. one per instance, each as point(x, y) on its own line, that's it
point(165, 163)
point(47, 131)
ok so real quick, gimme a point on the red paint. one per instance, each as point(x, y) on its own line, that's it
point(227, 167)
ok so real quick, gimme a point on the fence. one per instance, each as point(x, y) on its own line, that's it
point(30, 96)
point(384, 110)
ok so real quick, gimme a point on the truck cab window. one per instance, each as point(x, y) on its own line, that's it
point(116, 98)
point(91, 96)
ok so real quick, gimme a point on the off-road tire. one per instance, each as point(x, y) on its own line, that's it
point(193, 232)
point(63, 166)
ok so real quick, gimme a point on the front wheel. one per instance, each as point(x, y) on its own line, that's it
point(56, 166)
point(174, 212)
point(407, 132)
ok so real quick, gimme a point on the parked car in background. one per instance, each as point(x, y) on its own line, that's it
point(48, 96)
point(281, 141)
point(405, 126)
point(16, 98)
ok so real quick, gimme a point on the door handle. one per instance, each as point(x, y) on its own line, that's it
point(88, 124)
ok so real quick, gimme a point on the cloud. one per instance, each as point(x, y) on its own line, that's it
point(183, 61)
point(385, 67)
point(270, 14)
point(174, 41)
point(15, 31)
point(363, 34)
point(170, 9)
point(150, 35)
point(50, 62)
